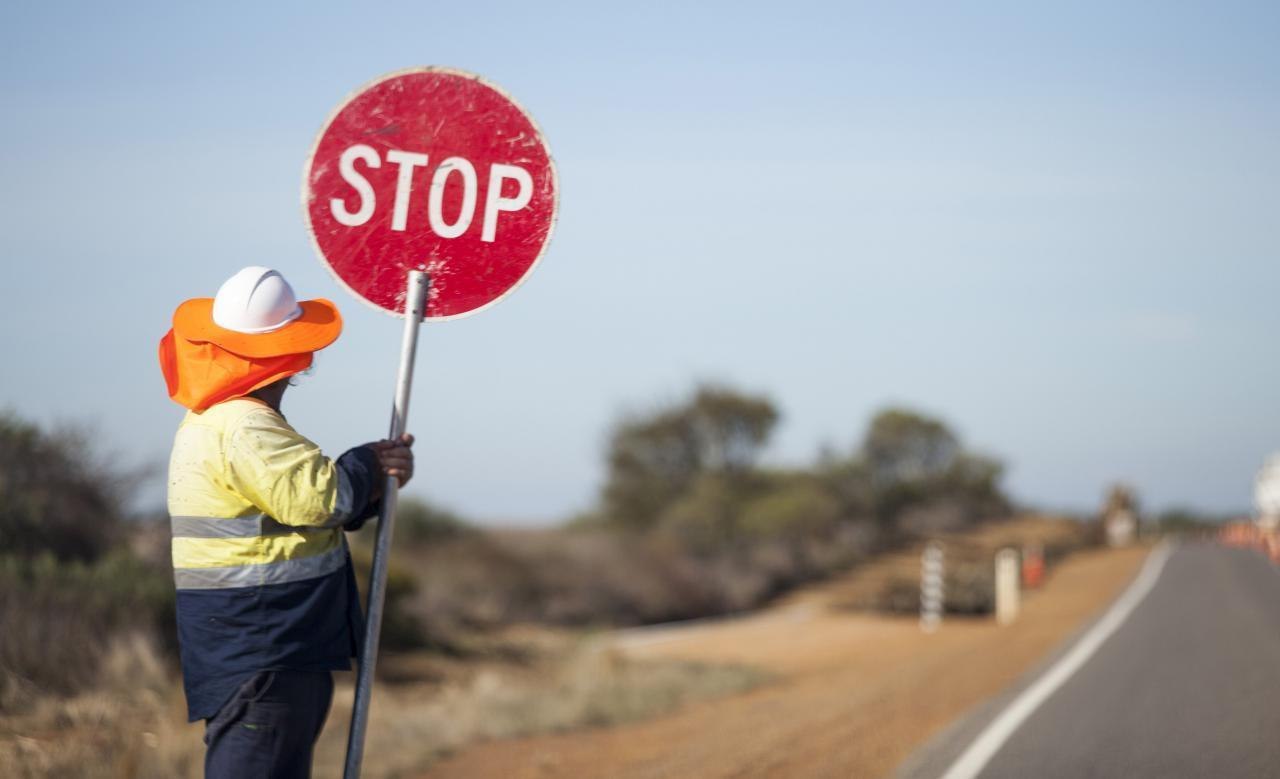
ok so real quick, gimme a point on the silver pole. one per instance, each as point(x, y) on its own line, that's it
point(415, 309)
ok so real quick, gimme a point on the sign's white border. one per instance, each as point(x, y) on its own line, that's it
point(306, 186)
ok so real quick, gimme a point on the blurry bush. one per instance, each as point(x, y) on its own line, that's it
point(400, 630)
point(705, 517)
point(559, 576)
point(599, 576)
point(687, 472)
point(60, 618)
point(70, 588)
point(55, 497)
point(690, 468)
point(420, 522)
point(922, 480)
point(793, 509)
point(421, 528)
point(654, 460)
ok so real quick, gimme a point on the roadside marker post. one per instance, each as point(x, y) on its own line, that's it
point(429, 194)
point(931, 587)
point(1008, 596)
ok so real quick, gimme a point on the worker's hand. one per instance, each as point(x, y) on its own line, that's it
point(395, 457)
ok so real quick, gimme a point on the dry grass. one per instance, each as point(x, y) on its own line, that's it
point(59, 618)
point(589, 686)
point(133, 723)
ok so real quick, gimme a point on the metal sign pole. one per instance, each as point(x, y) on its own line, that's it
point(415, 310)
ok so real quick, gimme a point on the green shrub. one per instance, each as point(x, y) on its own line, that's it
point(704, 519)
point(796, 510)
point(656, 459)
point(419, 522)
point(59, 617)
point(400, 629)
point(55, 497)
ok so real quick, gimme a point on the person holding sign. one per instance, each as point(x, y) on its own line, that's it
point(429, 194)
point(266, 598)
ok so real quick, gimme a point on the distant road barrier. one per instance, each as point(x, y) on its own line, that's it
point(1247, 535)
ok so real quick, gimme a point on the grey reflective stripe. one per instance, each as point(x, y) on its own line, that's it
point(228, 527)
point(279, 572)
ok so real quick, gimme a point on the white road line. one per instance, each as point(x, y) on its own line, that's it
point(989, 742)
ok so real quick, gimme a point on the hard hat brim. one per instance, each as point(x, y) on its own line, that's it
point(319, 325)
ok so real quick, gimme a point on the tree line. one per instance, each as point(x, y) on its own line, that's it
point(692, 470)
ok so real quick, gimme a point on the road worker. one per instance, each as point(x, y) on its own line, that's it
point(266, 599)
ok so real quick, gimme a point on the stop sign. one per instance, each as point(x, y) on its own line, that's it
point(436, 170)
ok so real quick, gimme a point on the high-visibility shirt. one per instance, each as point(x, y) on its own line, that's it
point(260, 562)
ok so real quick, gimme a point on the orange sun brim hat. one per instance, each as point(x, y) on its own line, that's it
point(318, 325)
point(253, 333)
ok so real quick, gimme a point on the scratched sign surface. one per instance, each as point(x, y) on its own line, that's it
point(436, 170)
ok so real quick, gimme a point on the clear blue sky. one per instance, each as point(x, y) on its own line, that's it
point(1059, 229)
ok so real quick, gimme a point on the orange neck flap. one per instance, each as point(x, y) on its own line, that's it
point(200, 374)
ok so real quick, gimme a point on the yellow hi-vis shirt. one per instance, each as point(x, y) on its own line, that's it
point(260, 562)
point(252, 501)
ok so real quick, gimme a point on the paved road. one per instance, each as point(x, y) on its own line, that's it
point(1188, 686)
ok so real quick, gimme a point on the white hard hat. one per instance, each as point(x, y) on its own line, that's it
point(255, 300)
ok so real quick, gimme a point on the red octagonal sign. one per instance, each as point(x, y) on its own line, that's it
point(436, 170)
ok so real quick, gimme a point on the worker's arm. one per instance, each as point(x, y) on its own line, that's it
point(287, 476)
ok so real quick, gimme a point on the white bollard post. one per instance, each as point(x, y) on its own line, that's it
point(1007, 592)
point(931, 587)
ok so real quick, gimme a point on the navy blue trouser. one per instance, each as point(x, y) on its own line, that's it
point(269, 727)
